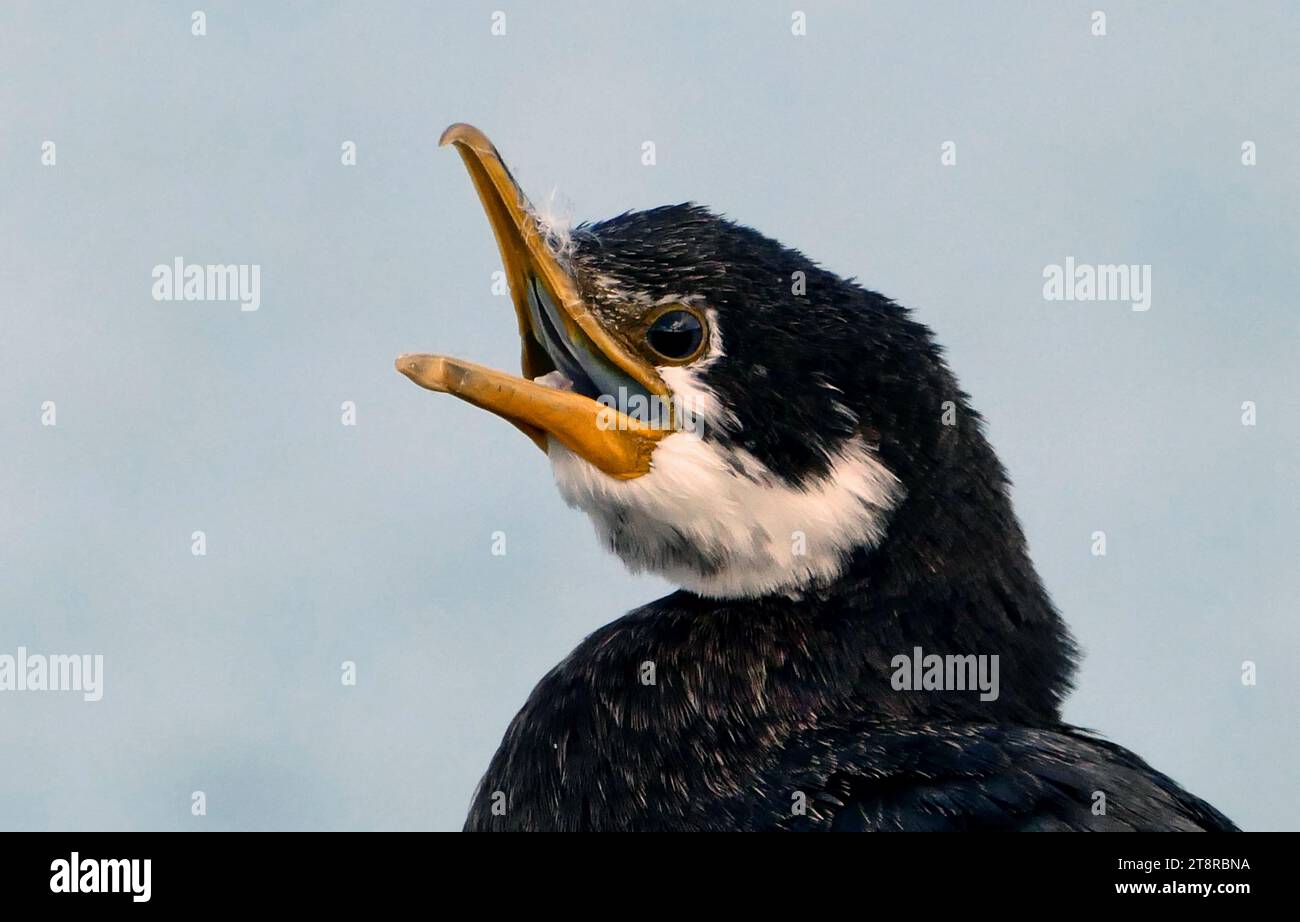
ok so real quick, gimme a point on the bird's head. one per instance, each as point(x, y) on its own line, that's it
point(730, 415)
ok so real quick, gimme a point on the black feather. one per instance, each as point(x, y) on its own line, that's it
point(758, 702)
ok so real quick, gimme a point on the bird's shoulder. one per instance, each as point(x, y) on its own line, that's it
point(916, 777)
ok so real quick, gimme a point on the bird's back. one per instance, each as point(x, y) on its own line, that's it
point(974, 777)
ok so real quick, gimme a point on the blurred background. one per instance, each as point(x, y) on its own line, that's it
point(372, 543)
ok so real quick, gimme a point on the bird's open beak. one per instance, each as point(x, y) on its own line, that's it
point(606, 437)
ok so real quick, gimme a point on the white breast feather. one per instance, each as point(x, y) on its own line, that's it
point(752, 533)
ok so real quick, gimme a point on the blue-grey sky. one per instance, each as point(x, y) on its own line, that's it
point(372, 543)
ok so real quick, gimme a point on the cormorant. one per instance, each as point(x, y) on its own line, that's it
point(792, 450)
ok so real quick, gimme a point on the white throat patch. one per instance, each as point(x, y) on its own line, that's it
point(721, 524)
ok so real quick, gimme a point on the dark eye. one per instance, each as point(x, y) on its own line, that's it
point(676, 335)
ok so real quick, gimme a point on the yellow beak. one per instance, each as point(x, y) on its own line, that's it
point(615, 443)
point(620, 448)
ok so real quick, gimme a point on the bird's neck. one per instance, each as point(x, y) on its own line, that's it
point(915, 631)
point(951, 580)
point(683, 700)
point(945, 618)
point(940, 592)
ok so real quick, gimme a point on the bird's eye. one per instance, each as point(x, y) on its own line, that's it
point(676, 335)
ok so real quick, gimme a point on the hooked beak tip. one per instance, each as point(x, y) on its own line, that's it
point(409, 364)
point(465, 134)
